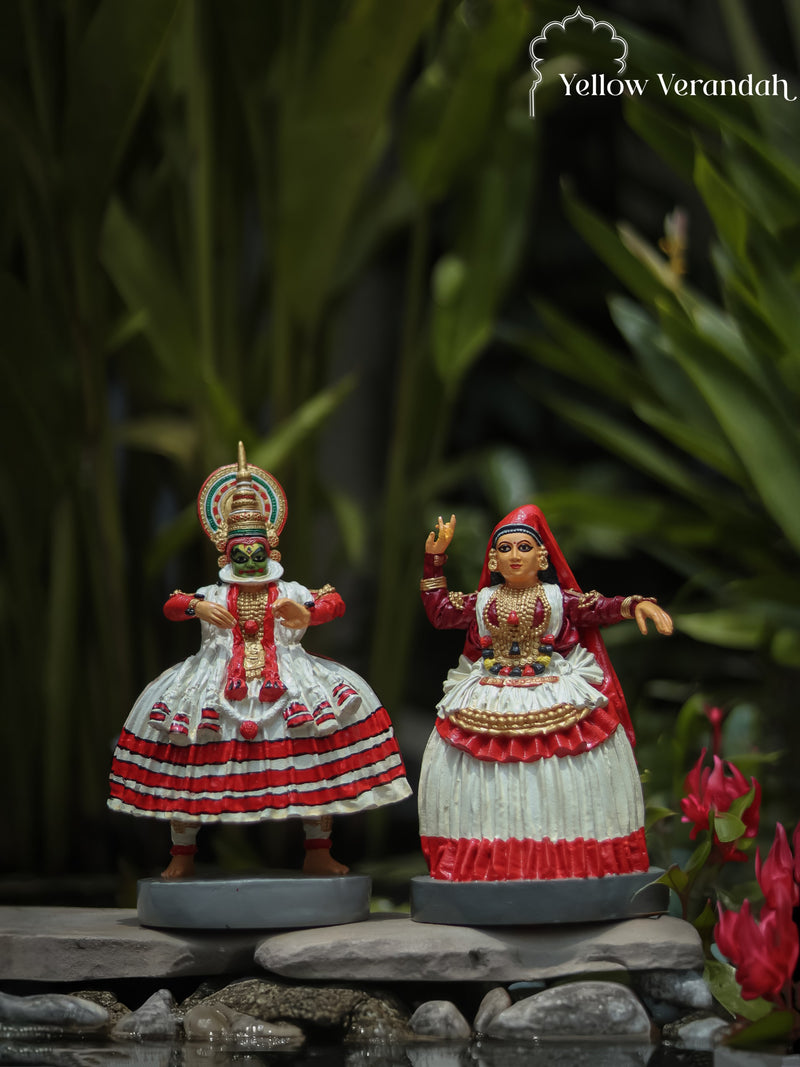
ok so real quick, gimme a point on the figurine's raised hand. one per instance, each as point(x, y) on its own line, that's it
point(293, 615)
point(645, 610)
point(215, 614)
point(439, 542)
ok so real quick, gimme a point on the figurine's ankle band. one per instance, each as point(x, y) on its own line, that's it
point(317, 842)
point(183, 850)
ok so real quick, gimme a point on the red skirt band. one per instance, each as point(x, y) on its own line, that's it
point(472, 860)
point(581, 737)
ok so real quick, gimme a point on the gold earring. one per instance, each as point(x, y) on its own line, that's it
point(492, 560)
point(544, 560)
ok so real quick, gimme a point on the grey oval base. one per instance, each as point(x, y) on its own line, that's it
point(530, 903)
point(276, 901)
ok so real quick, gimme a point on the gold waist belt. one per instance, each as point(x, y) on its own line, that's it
point(543, 721)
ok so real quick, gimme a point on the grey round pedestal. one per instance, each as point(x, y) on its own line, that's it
point(273, 901)
point(557, 900)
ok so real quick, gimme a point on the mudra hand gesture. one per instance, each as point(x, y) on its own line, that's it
point(439, 542)
point(293, 615)
point(645, 610)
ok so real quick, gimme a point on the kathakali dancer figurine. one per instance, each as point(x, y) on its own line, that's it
point(252, 726)
point(529, 773)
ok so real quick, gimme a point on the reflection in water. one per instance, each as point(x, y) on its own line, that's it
point(482, 1053)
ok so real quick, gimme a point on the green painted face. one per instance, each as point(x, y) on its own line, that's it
point(249, 561)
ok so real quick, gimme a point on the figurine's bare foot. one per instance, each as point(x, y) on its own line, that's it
point(320, 861)
point(179, 867)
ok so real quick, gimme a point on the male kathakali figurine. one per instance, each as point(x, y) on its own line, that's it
point(252, 726)
point(529, 773)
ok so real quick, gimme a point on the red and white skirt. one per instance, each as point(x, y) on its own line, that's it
point(540, 816)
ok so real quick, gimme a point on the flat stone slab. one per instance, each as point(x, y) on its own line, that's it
point(389, 947)
point(275, 901)
point(556, 900)
point(82, 944)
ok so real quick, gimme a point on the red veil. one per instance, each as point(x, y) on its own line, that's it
point(530, 515)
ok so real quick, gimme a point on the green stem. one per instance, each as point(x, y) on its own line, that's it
point(395, 601)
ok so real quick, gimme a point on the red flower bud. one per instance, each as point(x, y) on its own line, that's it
point(776, 875)
point(714, 790)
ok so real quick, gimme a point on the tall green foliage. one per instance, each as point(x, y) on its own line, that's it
point(190, 192)
point(706, 399)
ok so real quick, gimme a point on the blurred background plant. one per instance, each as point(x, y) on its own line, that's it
point(319, 227)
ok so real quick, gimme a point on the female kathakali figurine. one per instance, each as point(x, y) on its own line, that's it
point(252, 726)
point(529, 773)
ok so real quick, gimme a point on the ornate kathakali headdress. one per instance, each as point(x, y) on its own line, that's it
point(241, 502)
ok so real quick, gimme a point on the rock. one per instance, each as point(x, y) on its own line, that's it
point(106, 999)
point(554, 1053)
point(356, 1014)
point(155, 1020)
point(207, 1022)
point(700, 1031)
point(495, 1001)
point(85, 944)
point(440, 1018)
point(225, 1027)
point(255, 1034)
point(52, 1011)
point(577, 1009)
point(392, 948)
point(668, 995)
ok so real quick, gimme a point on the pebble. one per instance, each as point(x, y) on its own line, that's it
point(57, 1011)
point(495, 1001)
point(440, 1018)
point(577, 1009)
point(701, 1031)
point(155, 1020)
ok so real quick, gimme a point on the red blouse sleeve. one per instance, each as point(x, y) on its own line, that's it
point(177, 606)
point(327, 605)
point(445, 610)
point(593, 609)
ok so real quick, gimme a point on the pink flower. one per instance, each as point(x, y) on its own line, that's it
point(715, 717)
point(764, 953)
point(776, 875)
point(714, 791)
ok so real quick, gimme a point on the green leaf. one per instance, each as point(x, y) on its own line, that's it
point(453, 103)
point(675, 878)
point(276, 449)
point(699, 857)
point(655, 814)
point(577, 354)
point(771, 1027)
point(148, 284)
point(640, 451)
point(607, 244)
point(728, 827)
point(113, 70)
point(741, 804)
point(724, 204)
point(668, 137)
point(766, 445)
point(332, 125)
point(727, 628)
point(721, 978)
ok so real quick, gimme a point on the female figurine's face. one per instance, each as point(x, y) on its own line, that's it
point(518, 559)
point(249, 561)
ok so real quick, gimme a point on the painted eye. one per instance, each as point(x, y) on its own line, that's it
point(504, 547)
point(525, 547)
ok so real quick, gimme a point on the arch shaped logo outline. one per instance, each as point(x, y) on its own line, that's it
point(576, 15)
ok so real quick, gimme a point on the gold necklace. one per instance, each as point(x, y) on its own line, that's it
point(251, 606)
point(515, 638)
